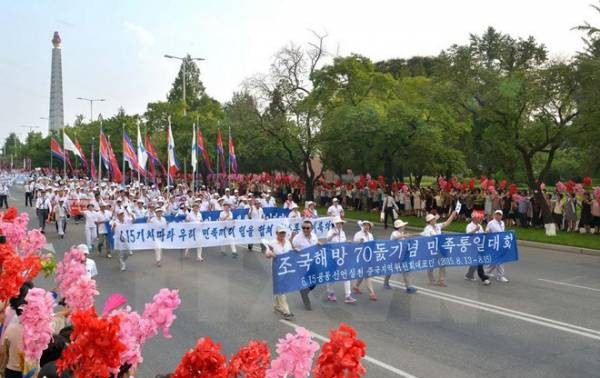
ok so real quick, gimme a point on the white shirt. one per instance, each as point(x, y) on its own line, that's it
point(362, 236)
point(432, 230)
point(299, 242)
point(336, 236)
point(278, 248)
point(335, 211)
point(256, 213)
point(397, 235)
point(268, 202)
point(225, 216)
point(495, 226)
point(90, 218)
point(140, 212)
point(103, 216)
point(90, 268)
point(159, 221)
point(193, 217)
point(472, 228)
point(294, 214)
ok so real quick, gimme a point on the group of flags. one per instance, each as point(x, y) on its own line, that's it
point(144, 158)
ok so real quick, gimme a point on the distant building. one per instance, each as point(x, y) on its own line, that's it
point(56, 119)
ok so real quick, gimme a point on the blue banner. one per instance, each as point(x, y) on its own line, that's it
point(296, 270)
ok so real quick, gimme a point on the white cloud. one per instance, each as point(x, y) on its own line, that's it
point(143, 35)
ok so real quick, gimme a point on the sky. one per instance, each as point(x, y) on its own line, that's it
point(114, 49)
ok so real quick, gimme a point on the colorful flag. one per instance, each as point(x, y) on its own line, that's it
point(220, 151)
point(68, 145)
point(92, 165)
point(104, 150)
point(109, 159)
point(129, 154)
point(203, 151)
point(232, 160)
point(142, 155)
point(56, 150)
point(194, 151)
point(172, 159)
point(153, 156)
point(83, 159)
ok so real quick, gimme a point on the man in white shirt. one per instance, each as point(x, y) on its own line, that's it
point(29, 187)
point(399, 233)
point(335, 210)
point(42, 209)
point(278, 247)
point(194, 217)
point(104, 216)
point(475, 227)
point(123, 253)
point(289, 202)
point(431, 229)
point(268, 201)
point(91, 229)
point(227, 215)
point(301, 241)
point(363, 236)
point(90, 265)
point(497, 225)
point(255, 213)
point(337, 235)
point(139, 212)
point(158, 221)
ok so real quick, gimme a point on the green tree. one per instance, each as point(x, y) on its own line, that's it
point(194, 89)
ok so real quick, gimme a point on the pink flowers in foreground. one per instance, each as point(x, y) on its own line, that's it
point(78, 289)
point(37, 322)
point(160, 311)
point(296, 353)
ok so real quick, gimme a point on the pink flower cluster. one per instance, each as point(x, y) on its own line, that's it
point(296, 353)
point(15, 230)
point(37, 322)
point(135, 330)
point(73, 283)
point(160, 311)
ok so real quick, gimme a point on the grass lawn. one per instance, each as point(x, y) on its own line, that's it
point(529, 234)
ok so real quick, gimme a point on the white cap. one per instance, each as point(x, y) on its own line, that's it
point(399, 223)
point(281, 228)
point(120, 212)
point(84, 248)
point(498, 212)
point(335, 200)
point(431, 217)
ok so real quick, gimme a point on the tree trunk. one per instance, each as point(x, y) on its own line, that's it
point(535, 187)
point(388, 168)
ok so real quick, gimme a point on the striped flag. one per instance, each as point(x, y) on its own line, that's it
point(153, 156)
point(232, 160)
point(129, 154)
point(81, 153)
point(220, 151)
point(203, 151)
point(56, 150)
point(92, 165)
point(142, 155)
point(172, 159)
point(194, 151)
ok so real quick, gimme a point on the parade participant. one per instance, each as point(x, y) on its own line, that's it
point(335, 210)
point(497, 225)
point(389, 206)
point(268, 201)
point(104, 216)
point(255, 212)
point(226, 215)
point(158, 220)
point(309, 210)
point(337, 235)
point(194, 217)
point(431, 229)
point(4, 194)
point(277, 247)
point(399, 233)
point(90, 265)
point(475, 228)
point(294, 212)
point(139, 212)
point(289, 202)
point(123, 253)
point(29, 188)
point(61, 212)
point(362, 236)
point(301, 241)
point(42, 208)
point(91, 229)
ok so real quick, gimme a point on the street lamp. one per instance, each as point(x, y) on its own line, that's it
point(91, 100)
point(183, 74)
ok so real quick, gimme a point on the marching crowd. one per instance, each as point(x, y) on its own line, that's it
point(102, 206)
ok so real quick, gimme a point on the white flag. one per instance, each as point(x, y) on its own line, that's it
point(142, 155)
point(194, 151)
point(68, 145)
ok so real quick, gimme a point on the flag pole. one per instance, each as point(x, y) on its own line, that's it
point(138, 153)
point(99, 178)
point(218, 158)
point(168, 155)
point(64, 157)
point(123, 154)
point(229, 156)
point(148, 156)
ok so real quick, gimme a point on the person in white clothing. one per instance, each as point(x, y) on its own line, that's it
point(335, 210)
point(363, 236)
point(475, 227)
point(497, 225)
point(91, 229)
point(301, 241)
point(399, 233)
point(159, 222)
point(194, 217)
point(123, 253)
point(289, 202)
point(433, 229)
point(227, 215)
point(103, 216)
point(90, 265)
point(337, 235)
point(61, 212)
point(139, 212)
point(277, 247)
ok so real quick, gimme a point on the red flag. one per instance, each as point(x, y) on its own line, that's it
point(153, 155)
point(83, 159)
point(109, 158)
point(92, 165)
point(56, 150)
point(203, 151)
point(232, 158)
point(220, 151)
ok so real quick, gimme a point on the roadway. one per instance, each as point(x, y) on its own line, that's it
point(544, 323)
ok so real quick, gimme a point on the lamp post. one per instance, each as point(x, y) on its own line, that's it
point(91, 100)
point(183, 73)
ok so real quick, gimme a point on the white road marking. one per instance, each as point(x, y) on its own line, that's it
point(568, 284)
point(372, 360)
point(539, 320)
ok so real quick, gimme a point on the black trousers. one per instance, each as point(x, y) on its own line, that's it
point(4, 200)
point(480, 272)
point(29, 199)
point(389, 211)
point(42, 216)
point(12, 374)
